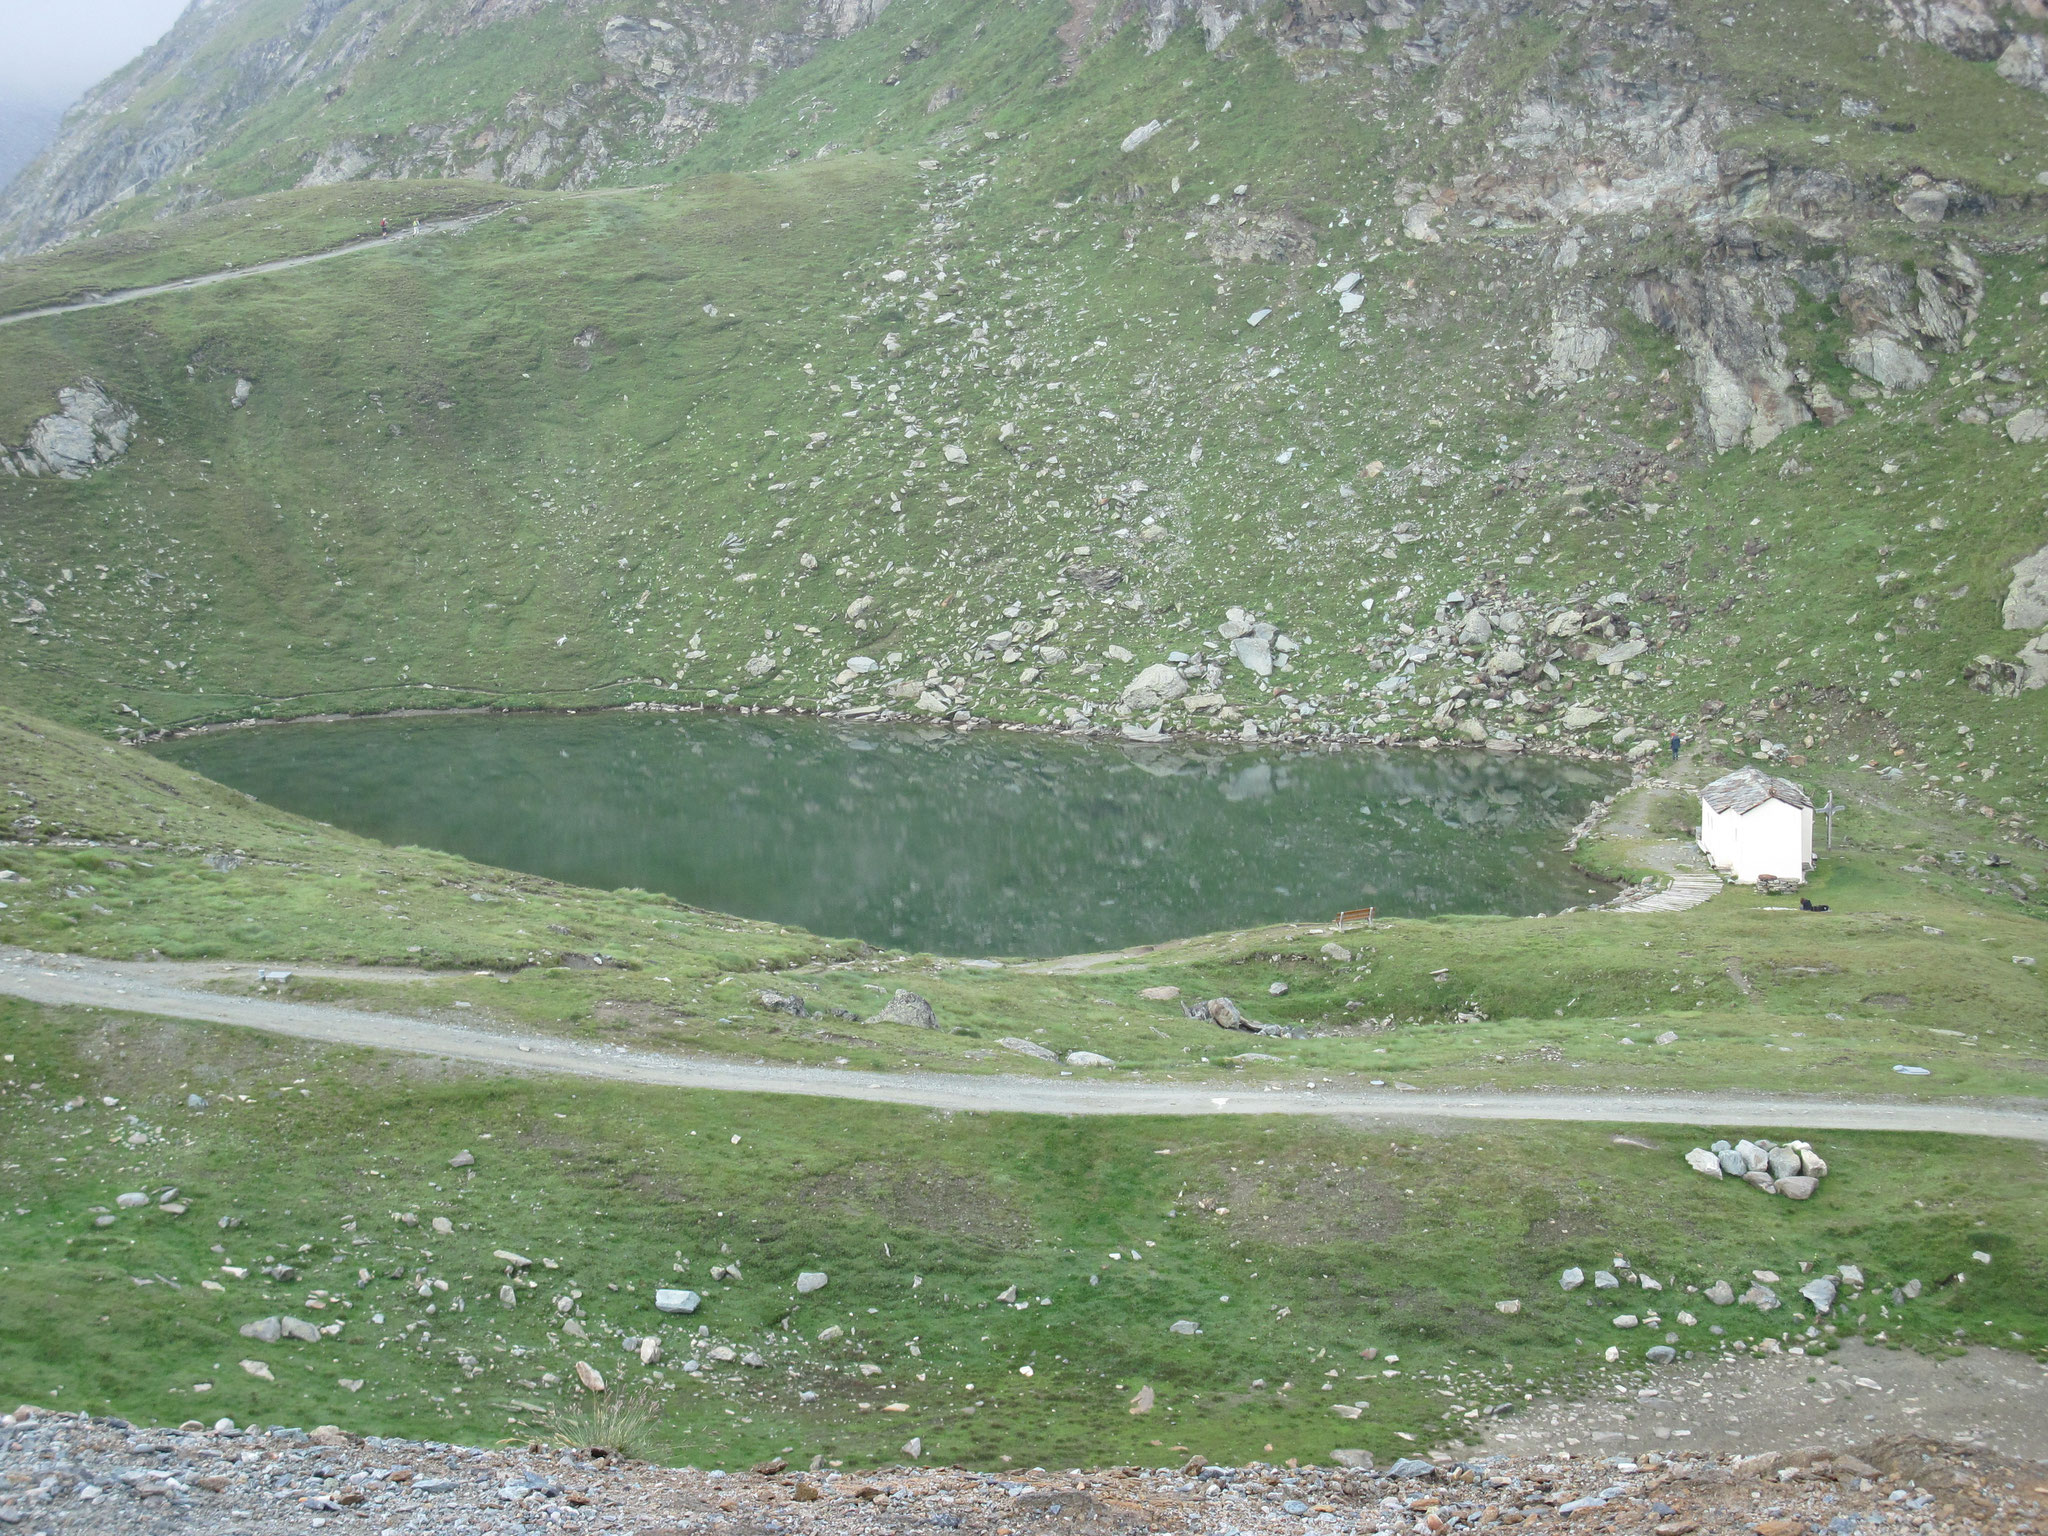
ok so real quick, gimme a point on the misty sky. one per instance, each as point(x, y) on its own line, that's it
point(56, 48)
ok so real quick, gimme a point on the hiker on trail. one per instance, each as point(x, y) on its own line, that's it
point(1677, 741)
point(383, 226)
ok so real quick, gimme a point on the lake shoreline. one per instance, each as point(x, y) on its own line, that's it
point(1142, 839)
point(1527, 746)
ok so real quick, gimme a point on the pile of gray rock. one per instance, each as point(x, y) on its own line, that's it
point(1225, 1014)
point(1793, 1169)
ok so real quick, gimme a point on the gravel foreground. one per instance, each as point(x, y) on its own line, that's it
point(70, 1473)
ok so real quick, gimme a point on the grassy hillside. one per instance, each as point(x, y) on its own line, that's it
point(1292, 1247)
point(659, 445)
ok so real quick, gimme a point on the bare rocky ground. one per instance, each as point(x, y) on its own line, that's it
point(1982, 1399)
point(84, 1475)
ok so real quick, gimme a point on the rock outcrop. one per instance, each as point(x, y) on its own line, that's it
point(90, 429)
point(1898, 320)
point(1745, 389)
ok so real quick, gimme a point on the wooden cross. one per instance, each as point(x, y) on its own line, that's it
point(1828, 811)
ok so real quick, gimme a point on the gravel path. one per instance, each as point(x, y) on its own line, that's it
point(1688, 881)
point(258, 269)
point(93, 1476)
point(71, 981)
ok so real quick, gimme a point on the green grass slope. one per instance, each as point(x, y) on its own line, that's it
point(1296, 1249)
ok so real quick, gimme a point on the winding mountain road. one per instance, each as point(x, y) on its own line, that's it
point(70, 981)
point(255, 269)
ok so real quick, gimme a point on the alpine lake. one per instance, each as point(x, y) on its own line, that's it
point(925, 838)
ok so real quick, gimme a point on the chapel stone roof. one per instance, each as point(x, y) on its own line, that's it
point(1747, 788)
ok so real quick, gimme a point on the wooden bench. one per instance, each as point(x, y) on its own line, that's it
point(1355, 915)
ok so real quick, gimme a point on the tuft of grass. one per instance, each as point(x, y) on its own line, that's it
point(620, 1425)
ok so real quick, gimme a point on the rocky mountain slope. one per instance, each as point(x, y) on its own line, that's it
point(248, 95)
point(1443, 371)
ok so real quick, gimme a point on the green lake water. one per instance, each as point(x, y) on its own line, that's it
point(988, 842)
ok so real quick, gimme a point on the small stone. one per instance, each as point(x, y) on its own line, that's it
point(194, 1101)
point(1029, 1048)
point(1661, 1354)
point(463, 1159)
point(1358, 1461)
point(677, 1301)
point(1980, 1256)
point(508, 1296)
point(1336, 952)
point(1603, 1281)
point(810, 1280)
point(1821, 1292)
point(591, 1377)
point(1088, 1059)
point(1184, 1326)
point(1762, 1297)
point(1507, 1308)
point(507, 1256)
point(1411, 1466)
point(914, 1447)
point(298, 1328)
point(265, 1330)
point(130, 1201)
point(258, 1369)
point(1142, 1403)
point(1783, 1162)
point(1669, 1037)
point(1721, 1293)
point(1160, 994)
point(1571, 1279)
point(1277, 989)
point(1627, 1320)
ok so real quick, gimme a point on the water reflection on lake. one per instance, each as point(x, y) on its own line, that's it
point(991, 842)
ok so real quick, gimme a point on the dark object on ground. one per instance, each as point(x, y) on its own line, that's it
point(1806, 905)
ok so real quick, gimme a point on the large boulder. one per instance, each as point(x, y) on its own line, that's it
point(1254, 654)
point(2029, 426)
point(1156, 686)
point(2025, 62)
point(1887, 361)
point(907, 1008)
